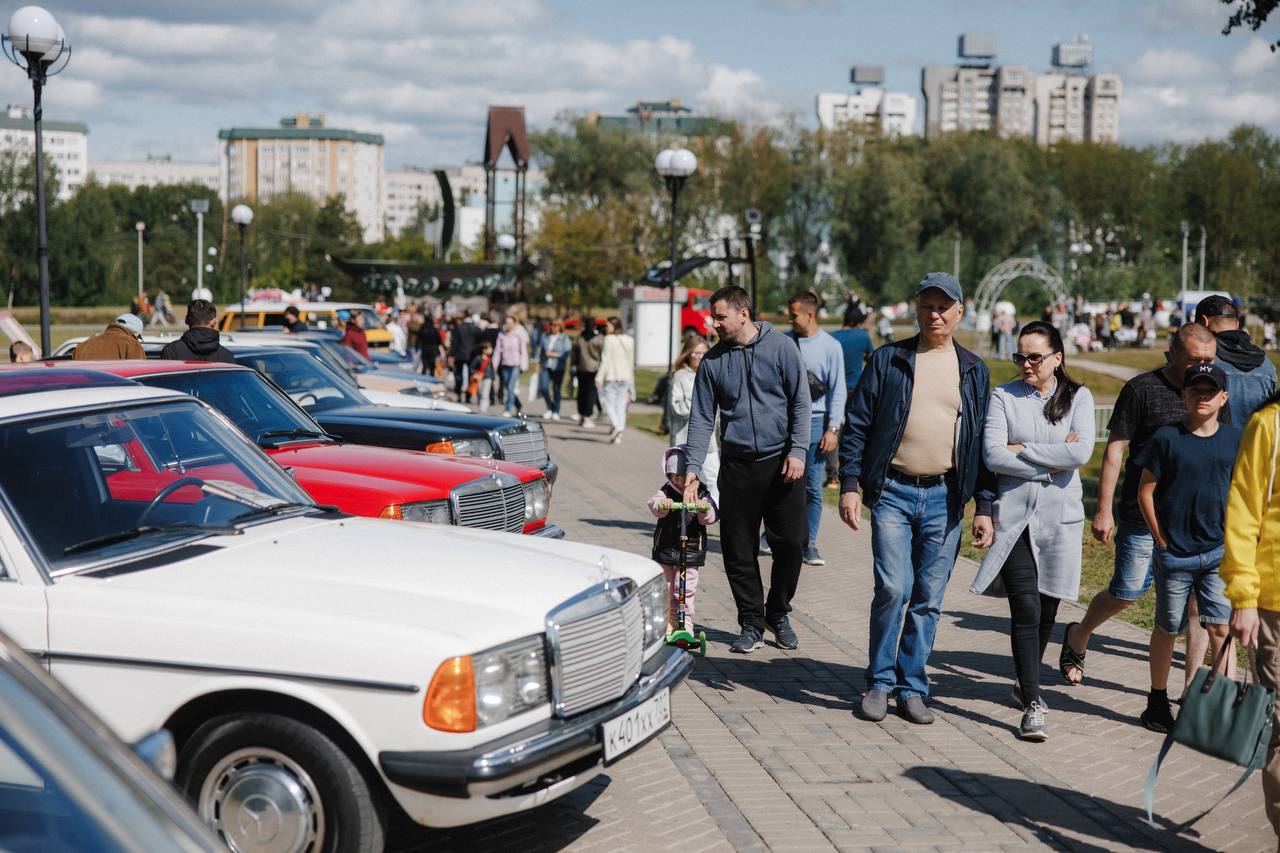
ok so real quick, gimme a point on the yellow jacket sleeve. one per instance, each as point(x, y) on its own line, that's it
point(1247, 505)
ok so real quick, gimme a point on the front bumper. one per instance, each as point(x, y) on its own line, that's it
point(549, 531)
point(535, 755)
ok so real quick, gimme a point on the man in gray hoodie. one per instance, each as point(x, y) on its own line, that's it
point(755, 378)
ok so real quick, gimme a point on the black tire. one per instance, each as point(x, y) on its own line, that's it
point(354, 819)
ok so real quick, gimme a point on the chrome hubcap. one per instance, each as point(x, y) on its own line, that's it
point(261, 801)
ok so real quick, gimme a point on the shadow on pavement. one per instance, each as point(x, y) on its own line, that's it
point(551, 827)
point(1040, 808)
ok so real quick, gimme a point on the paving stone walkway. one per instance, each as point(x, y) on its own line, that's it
point(765, 752)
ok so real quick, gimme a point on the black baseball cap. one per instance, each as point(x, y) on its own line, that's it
point(1215, 306)
point(1211, 372)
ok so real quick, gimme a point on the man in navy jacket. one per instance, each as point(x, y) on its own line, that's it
point(913, 442)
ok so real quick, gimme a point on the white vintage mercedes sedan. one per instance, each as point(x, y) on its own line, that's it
point(316, 670)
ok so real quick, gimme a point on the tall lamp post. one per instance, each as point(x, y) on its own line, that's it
point(674, 165)
point(1186, 229)
point(140, 227)
point(36, 44)
point(242, 216)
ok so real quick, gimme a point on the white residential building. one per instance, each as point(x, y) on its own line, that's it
point(1060, 108)
point(303, 155)
point(892, 113)
point(156, 172)
point(403, 192)
point(66, 143)
point(1102, 108)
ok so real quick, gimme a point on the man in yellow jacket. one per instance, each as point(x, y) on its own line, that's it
point(1251, 569)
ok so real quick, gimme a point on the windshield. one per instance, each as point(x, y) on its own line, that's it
point(251, 404)
point(371, 320)
point(349, 356)
point(311, 385)
point(131, 479)
point(339, 367)
point(702, 302)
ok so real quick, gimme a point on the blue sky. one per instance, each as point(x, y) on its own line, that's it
point(162, 76)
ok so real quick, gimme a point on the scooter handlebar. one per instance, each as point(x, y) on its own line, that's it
point(696, 507)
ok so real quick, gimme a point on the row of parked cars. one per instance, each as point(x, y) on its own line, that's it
point(332, 615)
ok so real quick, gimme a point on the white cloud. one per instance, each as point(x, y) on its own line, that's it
point(1160, 65)
point(738, 92)
point(1204, 16)
point(1255, 59)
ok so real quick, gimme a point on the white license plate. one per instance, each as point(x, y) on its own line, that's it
point(623, 734)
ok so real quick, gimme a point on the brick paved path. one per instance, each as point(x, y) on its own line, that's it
point(765, 752)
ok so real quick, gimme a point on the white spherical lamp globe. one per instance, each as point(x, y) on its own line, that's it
point(683, 163)
point(242, 214)
point(663, 162)
point(34, 31)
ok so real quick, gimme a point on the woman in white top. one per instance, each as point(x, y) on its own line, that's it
point(616, 377)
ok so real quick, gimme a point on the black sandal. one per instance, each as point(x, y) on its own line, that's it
point(1070, 659)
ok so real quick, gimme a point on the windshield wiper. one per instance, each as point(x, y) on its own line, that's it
point(124, 535)
point(276, 509)
point(295, 432)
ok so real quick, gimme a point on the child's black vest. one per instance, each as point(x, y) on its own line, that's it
point(666, 533)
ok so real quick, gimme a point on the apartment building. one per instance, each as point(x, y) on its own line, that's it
point(155, 172)
point(66, 144)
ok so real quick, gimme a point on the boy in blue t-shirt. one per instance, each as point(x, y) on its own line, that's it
point(1183, 495)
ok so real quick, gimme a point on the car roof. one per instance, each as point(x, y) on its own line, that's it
point(145, 367)
point(301, 306)
point(36, 388)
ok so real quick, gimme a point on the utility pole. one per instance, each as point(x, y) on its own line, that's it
point(1185, 230)
point(140, 227)
point(956, 265)
point(1202, 241)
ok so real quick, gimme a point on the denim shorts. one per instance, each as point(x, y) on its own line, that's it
point(1177, 578)
point(1132, 575)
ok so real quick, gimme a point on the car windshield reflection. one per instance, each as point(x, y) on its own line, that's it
point(98, 486)
point(311, 385)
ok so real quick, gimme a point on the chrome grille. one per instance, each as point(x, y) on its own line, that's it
point(493, 503)
point(597, 649)
point(524, 445)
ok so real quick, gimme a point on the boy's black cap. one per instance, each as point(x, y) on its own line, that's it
point(1211, 372)
point(1215, 306)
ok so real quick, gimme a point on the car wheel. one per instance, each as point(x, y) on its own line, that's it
point(264, 782)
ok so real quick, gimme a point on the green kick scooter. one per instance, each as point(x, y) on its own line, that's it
point(681, 637)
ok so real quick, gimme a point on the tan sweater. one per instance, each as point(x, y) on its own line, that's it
point(929, 439)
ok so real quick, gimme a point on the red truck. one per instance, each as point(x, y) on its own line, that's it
point(358, 479)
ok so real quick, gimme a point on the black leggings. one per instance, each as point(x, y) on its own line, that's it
point(1032, 612)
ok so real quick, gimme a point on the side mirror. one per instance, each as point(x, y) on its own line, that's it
point(160, 752)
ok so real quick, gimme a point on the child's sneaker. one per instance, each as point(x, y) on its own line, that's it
point(1159, 716)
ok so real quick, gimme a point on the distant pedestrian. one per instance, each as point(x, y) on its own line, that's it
point(586, 361)
point(1251, 377)
point(355, 336)
point(1147, 402)
point(1186, 477)
point(480, 373)
point(293, 322)
point(1039, 432)
point(754, 379)
point(824, 369)
point(555, 357)
point(616, 378)
point(120, 340)
point(511, 358)
point(913, 442)
point(430, 345)
point(885, 328)
point(161, 313)
point(666, 535)
point(201, 341)
point(464, 344)
point(856, 346)
point(21, 353)
point(1251, 570)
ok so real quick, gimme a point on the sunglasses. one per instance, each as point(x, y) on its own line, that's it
point(1034, 359)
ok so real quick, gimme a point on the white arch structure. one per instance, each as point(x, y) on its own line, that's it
point(1005, 273)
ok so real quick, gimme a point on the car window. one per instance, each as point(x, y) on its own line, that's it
point(251, 404)
point(273, 318)
point(35, 808)
point(183, 466)
point(321, 319)
point(311, 385)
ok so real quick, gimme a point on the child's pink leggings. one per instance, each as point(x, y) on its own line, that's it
point(672, 574)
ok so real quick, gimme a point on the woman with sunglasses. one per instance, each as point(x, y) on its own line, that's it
point(1039, 431)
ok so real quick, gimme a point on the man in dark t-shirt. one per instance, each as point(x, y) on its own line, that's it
point(1146, 403)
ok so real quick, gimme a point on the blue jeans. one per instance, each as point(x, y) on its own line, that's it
point(549, 385)
point(814, 473)
point(511, 383)
point(1132, 575)
point(915, 539)
point(1178, 578)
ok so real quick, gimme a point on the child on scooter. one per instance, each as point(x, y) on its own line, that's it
point(666, 535)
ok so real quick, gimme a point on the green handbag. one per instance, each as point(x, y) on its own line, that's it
point(1223, 718)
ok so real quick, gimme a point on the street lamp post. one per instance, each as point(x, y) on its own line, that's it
point(140, 227)
point(200, 206)
point(36, 44)
point(674, 165)
point(242, 216)
point(1202, 242)
point(1186, 229)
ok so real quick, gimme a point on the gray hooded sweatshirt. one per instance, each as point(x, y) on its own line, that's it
point(762, 392)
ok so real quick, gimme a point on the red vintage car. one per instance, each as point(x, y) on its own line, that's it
point(362, 480)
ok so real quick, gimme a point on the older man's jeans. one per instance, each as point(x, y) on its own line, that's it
point(915, 539)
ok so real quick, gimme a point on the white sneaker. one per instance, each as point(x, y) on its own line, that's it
point(617, 439)
point(587, 424)
point(555, 416)
point(548, 415)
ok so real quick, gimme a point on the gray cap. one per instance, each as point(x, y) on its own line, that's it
point(131, 322)
point(942, 281)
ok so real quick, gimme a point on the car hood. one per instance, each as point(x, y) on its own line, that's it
point(409, 418)
point(405, 472)
point(350, 596)
point(416, 402)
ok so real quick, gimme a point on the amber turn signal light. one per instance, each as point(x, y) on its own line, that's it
point(392, 511)
point(445, 447)
point(450, 705)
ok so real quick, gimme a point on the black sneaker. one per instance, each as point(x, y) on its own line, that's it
point(748, 641)
point(781, 628)
point(1159, 716)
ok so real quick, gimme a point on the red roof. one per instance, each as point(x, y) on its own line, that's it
point(137, 366)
